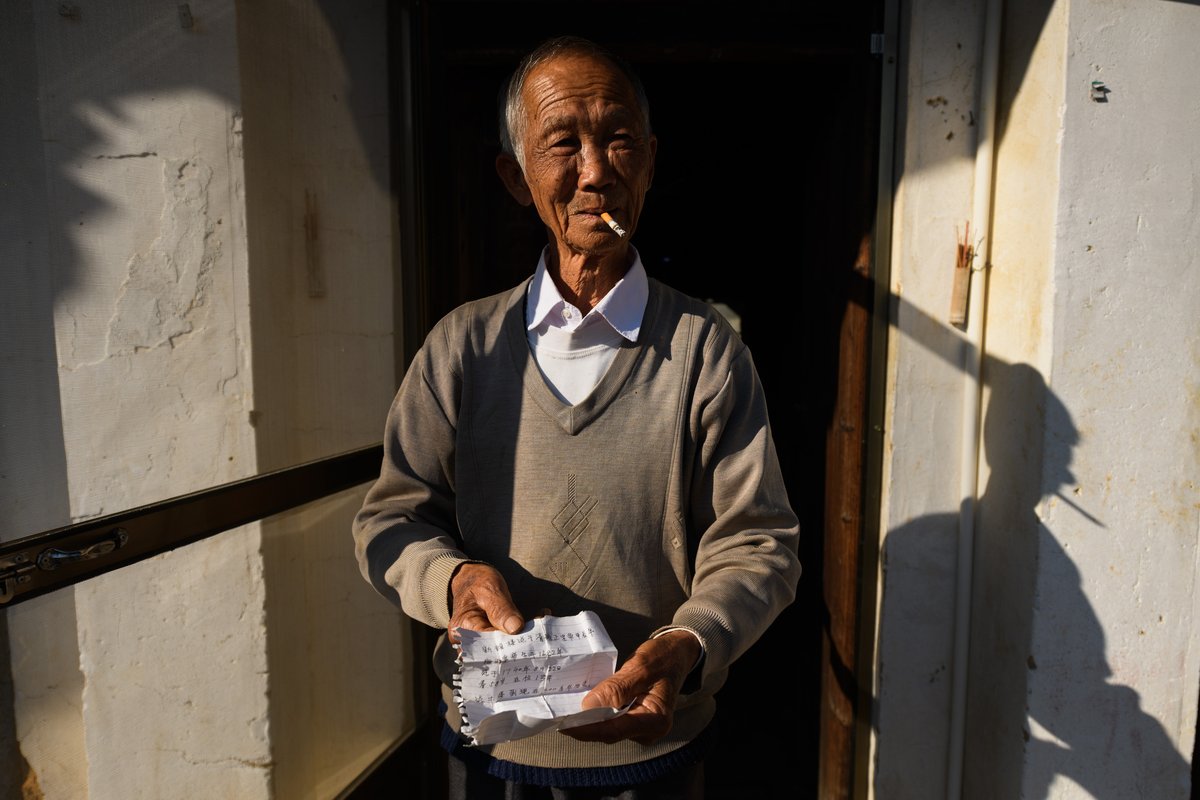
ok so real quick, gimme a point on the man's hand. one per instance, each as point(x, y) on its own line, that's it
point(651, 679)
point(480, 601)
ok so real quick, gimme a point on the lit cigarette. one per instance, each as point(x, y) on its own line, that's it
point(612, 223)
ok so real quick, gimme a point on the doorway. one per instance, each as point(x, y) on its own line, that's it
point(767, 119)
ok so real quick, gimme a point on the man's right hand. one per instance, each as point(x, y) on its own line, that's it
point(480, 601)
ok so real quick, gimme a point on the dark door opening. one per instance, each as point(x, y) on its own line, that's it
point(767, 120)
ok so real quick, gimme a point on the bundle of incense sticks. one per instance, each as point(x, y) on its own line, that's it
point(612, 223)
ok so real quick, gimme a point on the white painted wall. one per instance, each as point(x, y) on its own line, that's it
point(1017, 404)
point(142, 282)
point(923, 413)
point(1113, 699)
point(146, 260)
point(1084, 672)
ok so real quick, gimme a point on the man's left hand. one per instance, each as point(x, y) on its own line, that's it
point(651, 679)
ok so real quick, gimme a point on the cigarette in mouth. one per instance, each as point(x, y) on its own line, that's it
point(612, 223)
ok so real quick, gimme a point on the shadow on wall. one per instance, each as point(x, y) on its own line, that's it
point(107, 103)
point(1033, 718)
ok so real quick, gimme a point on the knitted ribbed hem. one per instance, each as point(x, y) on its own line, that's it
point(552, 749)
point(575, 777)
point(711, 629)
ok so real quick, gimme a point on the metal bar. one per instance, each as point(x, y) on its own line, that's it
point(43, 562)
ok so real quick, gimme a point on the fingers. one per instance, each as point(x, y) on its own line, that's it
point(648, 680)
point(473, 619)
point(619, 689)
point(646, 722)
point(658, 667)
point(481, 601)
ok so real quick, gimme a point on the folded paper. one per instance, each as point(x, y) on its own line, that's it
point(511, 686)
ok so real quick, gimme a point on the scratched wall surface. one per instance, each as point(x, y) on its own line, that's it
point(1083, 672)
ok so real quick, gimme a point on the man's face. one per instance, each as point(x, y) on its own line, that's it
point(586, 150)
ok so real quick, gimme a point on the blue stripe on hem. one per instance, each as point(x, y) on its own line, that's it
point(574, 777)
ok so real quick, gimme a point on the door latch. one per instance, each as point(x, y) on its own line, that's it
point(51, 558)
point(19, 569)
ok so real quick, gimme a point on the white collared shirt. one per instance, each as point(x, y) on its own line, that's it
point(574, 350)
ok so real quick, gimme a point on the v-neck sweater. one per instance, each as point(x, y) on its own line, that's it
point(655, 501)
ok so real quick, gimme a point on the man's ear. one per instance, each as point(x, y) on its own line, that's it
point(513, 178)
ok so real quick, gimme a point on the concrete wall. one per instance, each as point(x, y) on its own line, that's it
point(143, 286)
point(1083, 673)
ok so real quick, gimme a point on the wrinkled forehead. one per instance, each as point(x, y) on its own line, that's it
point(580, 79)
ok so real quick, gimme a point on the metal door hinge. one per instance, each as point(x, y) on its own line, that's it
point(877, 42)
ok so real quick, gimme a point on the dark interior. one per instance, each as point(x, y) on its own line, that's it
point(767, 121)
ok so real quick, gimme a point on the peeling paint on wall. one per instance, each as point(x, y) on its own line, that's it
point(165, 291)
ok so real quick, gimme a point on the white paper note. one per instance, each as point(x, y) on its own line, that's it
point(512, 686)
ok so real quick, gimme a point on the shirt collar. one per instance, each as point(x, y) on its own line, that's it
point(622, 308)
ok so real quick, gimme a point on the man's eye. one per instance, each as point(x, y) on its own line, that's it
point(565, 144)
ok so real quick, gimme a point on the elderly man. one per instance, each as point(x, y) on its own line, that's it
point(588, 440)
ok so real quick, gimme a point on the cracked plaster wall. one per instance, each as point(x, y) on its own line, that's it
point(137, 276)
point(151, 350)
point(145, 260)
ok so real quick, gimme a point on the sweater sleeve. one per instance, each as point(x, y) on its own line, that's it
point(746, 567)
point(405, 535)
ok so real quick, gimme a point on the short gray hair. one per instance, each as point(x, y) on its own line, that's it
point(512, 106)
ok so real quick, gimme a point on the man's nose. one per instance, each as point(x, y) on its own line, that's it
point(595, 167)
